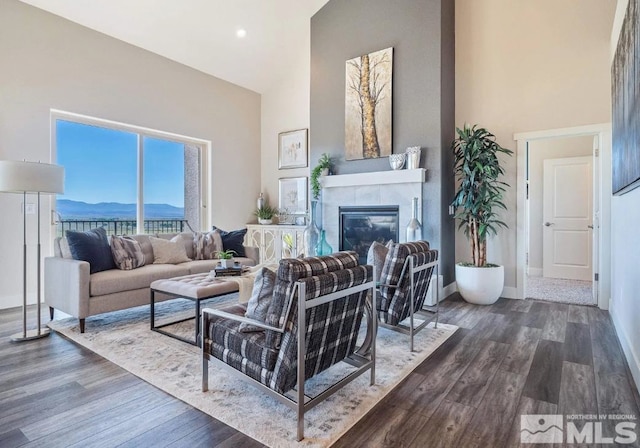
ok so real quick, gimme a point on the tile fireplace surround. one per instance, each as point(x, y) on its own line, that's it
point(370, 189)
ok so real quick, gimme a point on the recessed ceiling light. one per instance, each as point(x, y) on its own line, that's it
point(241, 33)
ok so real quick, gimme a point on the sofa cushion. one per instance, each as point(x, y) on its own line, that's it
point(376, 256)
point(168, 252)
point(127, 253)
point(115, 280)
point(185, 237)
point(234, 241)
point(261, 296)
point(93, 247)
point(145, 245)
point(206, 245)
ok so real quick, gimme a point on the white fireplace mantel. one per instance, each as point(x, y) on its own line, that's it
point(418, 175)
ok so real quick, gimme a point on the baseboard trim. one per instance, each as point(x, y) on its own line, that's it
point(535, 272)
point(627, 348)
point(509, 292)
point(449, 289)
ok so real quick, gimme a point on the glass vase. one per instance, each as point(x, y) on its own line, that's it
point(323, 248)
point(311, 233)
point(414, 228)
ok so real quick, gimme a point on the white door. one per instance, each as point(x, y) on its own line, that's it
point(567, 218)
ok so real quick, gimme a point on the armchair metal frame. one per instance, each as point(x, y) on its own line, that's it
point(411, 329)
point(302, 403)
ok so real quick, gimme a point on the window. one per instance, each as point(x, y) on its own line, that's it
point(126, 179)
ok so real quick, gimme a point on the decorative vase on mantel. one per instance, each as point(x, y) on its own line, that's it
point(414, 228)
point(311, 233)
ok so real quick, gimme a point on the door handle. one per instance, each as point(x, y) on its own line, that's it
point(548, 224)
point(590, 227)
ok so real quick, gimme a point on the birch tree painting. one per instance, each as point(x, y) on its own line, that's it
point(368, 105)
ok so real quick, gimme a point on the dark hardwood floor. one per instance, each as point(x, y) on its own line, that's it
point(508, 359)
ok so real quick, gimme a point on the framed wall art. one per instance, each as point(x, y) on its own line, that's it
point(625, 75)
point(293, 149)
point(368, 107)
point(293, 195)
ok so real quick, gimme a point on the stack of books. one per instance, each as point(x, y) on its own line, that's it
point(228, 272)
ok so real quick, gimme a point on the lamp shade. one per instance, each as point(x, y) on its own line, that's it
point(31, 177)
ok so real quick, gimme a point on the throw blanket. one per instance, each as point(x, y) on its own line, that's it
point(246, 280)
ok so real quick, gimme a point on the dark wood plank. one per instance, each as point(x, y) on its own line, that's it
point(529, 406)
point(521, 352)
point(445, 427)
point(614, 394)
point(555, 327)
point(473, 383)
point(13, 438)
point(171, 431)
point(607, 354)
point(522, 306)
point(209, 435)
point(492, 420)
point(577, 344)
point(578, 314)
point(543, 381)
point(577, 390)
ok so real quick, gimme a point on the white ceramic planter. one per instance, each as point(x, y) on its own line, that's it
point(265, 222)
point(481, 286)
point(227, 263)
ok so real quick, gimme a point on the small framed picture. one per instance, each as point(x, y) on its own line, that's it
point(293, 150)
point(293, 195)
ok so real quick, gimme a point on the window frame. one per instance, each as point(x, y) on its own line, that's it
point(142, 132)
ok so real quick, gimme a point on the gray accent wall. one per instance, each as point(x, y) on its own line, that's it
point(422, 35)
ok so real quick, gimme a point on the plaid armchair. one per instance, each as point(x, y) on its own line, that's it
point(334, 290)
point(404, 282)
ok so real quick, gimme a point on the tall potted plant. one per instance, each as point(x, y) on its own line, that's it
point(477, 168)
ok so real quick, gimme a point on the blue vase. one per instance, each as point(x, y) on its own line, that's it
point(323, 248)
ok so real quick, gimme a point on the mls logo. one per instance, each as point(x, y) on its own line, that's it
point(541, 428)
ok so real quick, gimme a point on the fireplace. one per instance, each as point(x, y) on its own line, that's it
point(360, 226)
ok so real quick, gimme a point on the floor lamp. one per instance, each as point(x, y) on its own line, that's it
point(25, 178)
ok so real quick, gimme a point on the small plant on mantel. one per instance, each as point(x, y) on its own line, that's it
point(478, 169)
point(324, 166)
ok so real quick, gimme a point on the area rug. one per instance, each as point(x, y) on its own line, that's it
point(560, 290)
point(125, 339)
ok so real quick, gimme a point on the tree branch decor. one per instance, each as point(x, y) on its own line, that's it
point(477, 168)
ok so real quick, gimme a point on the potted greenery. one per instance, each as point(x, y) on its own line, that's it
point(321, 169)
point(226, 258)
point(265, 214)
point(477, 168)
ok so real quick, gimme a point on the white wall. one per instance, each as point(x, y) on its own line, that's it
point(625, 258)
point(48, 62)
point(539, 150)
point(528, 66)
point(285, 107)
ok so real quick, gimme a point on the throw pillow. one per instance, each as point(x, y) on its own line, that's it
point(93, 247)
point(207, 245)
point(376, 256)
point(260, 299)
point(234, 241)
point(127, 253)
point(168, 252)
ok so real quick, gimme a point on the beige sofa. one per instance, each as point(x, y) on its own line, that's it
point(70, 288)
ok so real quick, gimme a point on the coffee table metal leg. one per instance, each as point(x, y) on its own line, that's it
point(197, 322)
point(153, 306)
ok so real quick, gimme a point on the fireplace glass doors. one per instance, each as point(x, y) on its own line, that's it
point(361, 226)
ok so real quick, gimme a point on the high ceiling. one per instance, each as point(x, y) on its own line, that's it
point(202, 33)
